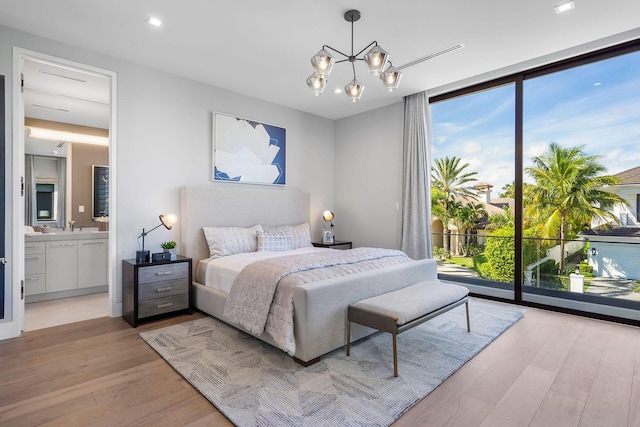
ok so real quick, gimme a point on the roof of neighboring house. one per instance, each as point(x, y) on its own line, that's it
point(631, 176)
point(612, 231)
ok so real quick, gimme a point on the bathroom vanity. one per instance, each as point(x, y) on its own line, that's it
point(65, 264)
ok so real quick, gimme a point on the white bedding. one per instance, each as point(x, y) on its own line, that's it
point(219, 273)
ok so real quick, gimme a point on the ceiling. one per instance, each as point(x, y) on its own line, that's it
point(262, 48)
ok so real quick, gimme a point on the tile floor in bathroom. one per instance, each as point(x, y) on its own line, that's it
point(39, 315)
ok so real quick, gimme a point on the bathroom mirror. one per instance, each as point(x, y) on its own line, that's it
point(100, 194)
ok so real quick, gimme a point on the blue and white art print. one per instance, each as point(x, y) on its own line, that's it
point(248, 151)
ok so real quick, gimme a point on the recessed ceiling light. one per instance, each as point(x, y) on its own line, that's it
point(565, 7)
point(338, 90)
point(154, 21)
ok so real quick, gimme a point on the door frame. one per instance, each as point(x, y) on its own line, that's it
point(15, 326)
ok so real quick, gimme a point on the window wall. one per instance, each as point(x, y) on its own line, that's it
point(553, 157)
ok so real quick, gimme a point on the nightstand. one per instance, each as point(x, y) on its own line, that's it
point(155, 288)
point(333, 245)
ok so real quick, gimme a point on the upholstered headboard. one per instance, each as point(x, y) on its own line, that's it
point(234, 205)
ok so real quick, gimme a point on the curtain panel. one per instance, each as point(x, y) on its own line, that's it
point(416, 182)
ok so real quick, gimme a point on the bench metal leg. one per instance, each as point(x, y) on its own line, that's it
point(348, 337)
point(395, 356)
point(468, 324)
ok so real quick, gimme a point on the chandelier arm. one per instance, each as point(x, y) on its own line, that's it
point(353, 65)
point(367, 47)
point(335, 50)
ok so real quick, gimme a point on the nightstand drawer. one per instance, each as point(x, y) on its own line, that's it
point(162, 305)
point(166, 288)
point(157, 273)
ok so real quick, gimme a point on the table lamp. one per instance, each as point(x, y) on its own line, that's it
point(166, 220)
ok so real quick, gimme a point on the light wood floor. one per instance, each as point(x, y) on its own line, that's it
point(549, 369)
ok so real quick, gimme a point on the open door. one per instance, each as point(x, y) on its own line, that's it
point(3, 222)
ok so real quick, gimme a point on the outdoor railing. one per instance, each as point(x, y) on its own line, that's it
point(608, 268)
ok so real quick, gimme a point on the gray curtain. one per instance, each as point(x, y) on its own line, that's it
point(416, 183)
point(62, 192)
point(30, 190)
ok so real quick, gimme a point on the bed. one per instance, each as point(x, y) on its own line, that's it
point(320, 307)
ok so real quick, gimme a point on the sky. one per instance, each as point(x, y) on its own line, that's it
point(595, 105)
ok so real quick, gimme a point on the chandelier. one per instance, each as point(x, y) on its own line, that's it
point(377, 60)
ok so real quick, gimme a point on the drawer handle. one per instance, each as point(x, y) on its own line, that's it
point(59, 245)
point(33, 278)
point(93, 243)
point(31, 258)
point(31, 247)
point(168, 288)
point(164, 273)
point(165, 305)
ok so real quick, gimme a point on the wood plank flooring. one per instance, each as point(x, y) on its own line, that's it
point(549, 369)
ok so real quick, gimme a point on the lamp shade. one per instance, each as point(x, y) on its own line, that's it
point(323, 62)
point(317, 82)
point(391, 78)
point(328, 216)
point(354, 90)
point(168, 220)
point(376, 60)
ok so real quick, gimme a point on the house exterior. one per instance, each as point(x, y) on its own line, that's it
point(614, 249)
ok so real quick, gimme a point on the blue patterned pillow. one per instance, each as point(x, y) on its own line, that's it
point(274, 242)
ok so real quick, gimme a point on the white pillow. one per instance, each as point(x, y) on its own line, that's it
point(300, 234)
point(225, 241)
point(274, 242)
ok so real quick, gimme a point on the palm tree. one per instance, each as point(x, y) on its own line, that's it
point(449, 177)
point(465, 218)
point(450, 180)
point(568, 188)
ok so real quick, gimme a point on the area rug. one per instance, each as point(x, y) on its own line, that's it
point(255, 384)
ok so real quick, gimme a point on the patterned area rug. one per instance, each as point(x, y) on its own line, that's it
point(255, 384)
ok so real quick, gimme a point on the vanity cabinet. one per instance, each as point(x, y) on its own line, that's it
point(92, 263)
point(61, 265)
point(34, 269)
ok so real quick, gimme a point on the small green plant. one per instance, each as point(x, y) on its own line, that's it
point(168, 245)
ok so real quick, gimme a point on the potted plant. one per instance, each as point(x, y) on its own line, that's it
point(170, 247)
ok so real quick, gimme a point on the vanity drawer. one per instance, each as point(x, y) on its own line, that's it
point(34, 263)
point(166, 288)
point(163, 272)
point(35, 284)
point(33, 248)
point(162, 305)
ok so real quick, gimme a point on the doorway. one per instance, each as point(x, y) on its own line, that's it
point(67, 115)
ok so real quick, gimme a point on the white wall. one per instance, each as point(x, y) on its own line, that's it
point(368, 178)
point(164, 143)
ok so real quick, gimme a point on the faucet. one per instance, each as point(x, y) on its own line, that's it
point(71, 223)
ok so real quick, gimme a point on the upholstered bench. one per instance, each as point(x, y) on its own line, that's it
point(401, 310)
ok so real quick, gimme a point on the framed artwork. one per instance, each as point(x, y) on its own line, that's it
point(327, 236)
point(247, 151)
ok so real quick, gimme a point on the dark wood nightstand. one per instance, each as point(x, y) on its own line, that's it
point(155, 288)
point(333, 245)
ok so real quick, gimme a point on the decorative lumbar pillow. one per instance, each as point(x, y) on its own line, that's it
point(300, 234)
point(273, 242)
point(225, 241)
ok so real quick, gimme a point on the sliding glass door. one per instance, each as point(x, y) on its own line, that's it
point(581, 184)
point(536, 184)
point(472, 179)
